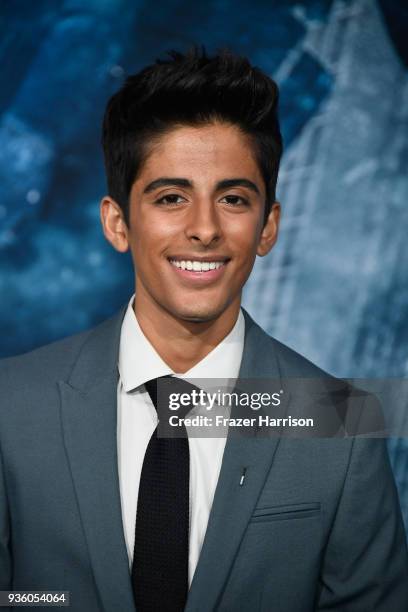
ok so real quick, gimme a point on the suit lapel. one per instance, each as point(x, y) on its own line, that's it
point(88, 414)
point(233, 504)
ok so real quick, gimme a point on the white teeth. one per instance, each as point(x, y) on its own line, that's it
point(197, 266)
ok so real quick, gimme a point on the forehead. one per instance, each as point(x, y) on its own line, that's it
point(209, 152)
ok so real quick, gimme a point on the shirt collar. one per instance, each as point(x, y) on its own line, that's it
point(140, 362)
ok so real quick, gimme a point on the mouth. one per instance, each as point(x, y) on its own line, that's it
point(206, 269)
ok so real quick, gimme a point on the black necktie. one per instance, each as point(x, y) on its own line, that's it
point(160, 561)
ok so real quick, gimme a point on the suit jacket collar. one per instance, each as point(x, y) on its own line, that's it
point(88, 414)
point(99, 354)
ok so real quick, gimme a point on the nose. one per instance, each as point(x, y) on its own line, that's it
point(203, 225)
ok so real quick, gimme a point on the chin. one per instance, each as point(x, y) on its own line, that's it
point(199, 314)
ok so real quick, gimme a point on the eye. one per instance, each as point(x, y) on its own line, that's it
point(235, 200)
point(170, 199)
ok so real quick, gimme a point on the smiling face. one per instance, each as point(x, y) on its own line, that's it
point(195, 223)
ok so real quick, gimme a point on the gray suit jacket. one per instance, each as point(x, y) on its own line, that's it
point(316, 526)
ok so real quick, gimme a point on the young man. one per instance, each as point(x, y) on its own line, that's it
point(92, 501)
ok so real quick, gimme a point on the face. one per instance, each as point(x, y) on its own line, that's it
point(196, 222)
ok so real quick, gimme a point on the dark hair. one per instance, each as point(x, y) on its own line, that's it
point(189, 89)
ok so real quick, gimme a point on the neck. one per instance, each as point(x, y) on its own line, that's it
point(182, 344)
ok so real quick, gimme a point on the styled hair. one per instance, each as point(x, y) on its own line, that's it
point(189, 89)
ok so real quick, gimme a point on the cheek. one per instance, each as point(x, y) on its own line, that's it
point(244, 238)
point(152, 234)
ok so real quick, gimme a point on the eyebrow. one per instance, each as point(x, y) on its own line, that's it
point(167, 182)
point(237, 182)
point(182, 182)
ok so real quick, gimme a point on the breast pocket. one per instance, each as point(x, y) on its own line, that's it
point(285, 512)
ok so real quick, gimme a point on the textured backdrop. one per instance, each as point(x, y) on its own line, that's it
point(335, 287)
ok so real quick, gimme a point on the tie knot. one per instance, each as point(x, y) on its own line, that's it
point(165, 393)
point(151, 387)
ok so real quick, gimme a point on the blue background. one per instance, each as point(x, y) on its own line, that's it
point(335, 287)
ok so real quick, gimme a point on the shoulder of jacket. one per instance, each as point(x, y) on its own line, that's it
point(51, 361)
point(291, 363)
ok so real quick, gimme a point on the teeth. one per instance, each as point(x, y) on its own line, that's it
point(197, 266)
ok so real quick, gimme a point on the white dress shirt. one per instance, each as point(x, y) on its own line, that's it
point(137, 419)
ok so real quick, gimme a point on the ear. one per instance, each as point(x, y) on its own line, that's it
point(114, 225)
point(269, 233)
